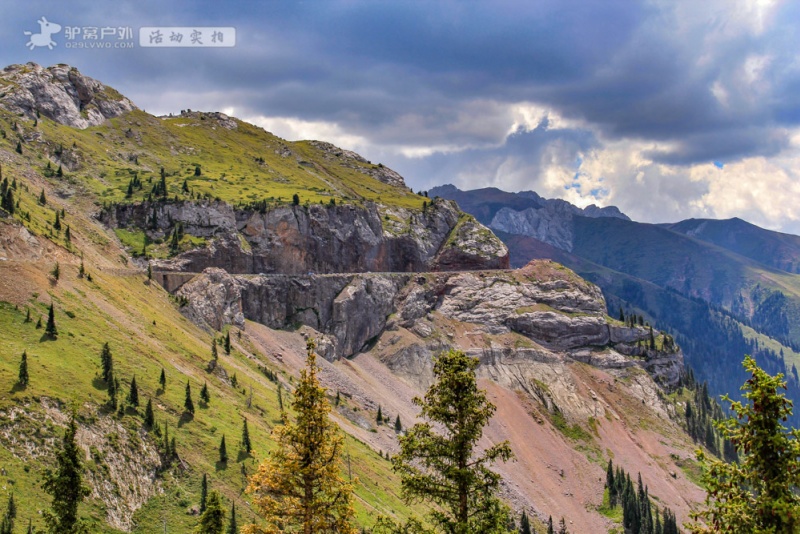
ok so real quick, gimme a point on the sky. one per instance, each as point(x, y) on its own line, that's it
point(667, 109)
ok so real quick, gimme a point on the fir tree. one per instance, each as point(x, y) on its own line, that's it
point(562, 527)
point(188, 405)
point(205, 396)
point(19, 147)
point(56, 272)
point(39, 323)
point(398, 426)
point(107, 363)
point(227, 344)
point(524, 524)
point(149, 416)
point(57, 222)
point(247, 447)
point(232, 527)
point(444, 468)
point(223, 451)
point(50, 330)
point(22, 377)
point(214, 353)
point(203, 493)
point(67, 236)
point(42, 198)
point(550, 529)
point(133, 393)
point(65, 485)
point(162, 380)
point(60, 172)
point(299, 486)
point(213, 519)
point(379, 417)
point(27, 315)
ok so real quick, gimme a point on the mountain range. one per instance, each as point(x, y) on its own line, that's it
point(169, 237)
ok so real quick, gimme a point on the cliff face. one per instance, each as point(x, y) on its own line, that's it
point(319, 238)
point(542, 312)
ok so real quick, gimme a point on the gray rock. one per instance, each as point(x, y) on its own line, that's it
point(60, 93)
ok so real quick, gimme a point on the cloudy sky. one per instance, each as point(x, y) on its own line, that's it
point(667, 109)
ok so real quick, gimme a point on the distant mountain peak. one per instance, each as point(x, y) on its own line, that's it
point(60, 93)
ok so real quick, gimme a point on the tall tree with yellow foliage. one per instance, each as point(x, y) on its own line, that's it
point(299, 486)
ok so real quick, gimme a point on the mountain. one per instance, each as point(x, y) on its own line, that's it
point(734, 279)
point(167, 236)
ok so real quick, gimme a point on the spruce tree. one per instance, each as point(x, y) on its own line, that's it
point(524, 524)
point(65, 485)
point(227, 344)
point(214, 353)
point(213, 519)
point(27, 315)
point(22, 377)
point(149, 416)
point(51, 331)
point(299, 485)
point(188, 405)
point(106, 363)
point(550, 529)
point(247, 447)
point(162, 380)
point(39, 323)
point(562, 527)
point(379, 417)
point(398, 426)
point(57, 222)
point(232, 527)
point(205, 396)
point(444, 468)
point(223, 451)
point(133, 393)
point(203, 493)
point(42, 198)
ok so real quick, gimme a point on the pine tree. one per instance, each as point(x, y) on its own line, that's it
point(398, 426)
point(112, 393)
point(28, 315)
point(133, 393)
point(203, 493)
point(22, 377)
point(57, 222)
point(19, 147)
point(562, 527)
point(223, 451)
point(214, 353)
point(42, 198)
point(524, 524)
point(149, 416)
point(550, 529)
point(212, 521)
point(295, 199)
point(67, 236)
point(227, 343)
point(757, 494)
point(232, 528)
point(246, 445)
point(7, 524)
point(299, 485)
point(65, 485)
point(51, 331)
point(188, 405)
point(205, 396)
point(39, 323)
point(162, 380)
point(107, 363)
point(379, 417)
point(443, 467)
point(60, 172)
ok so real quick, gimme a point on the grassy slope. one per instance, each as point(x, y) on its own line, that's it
point(142, 325)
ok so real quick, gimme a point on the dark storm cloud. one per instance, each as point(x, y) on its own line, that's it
point(409, 73)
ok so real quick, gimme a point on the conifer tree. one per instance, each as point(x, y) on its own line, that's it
point(223, 451)
point(232, 528)
point(7, 524)
point(212, 521)
point(758, 493)
point(39, 323)
point(27, 315)
point(398, 426)
point(214, 353)
point(22, 377)
point(550, 529)
point(524, 524)
point(247, 447)
point(133, 393)
point(65, 485)
point(280, 398)
point(112, 393)
point(188, 405)
point(379, 417)
point(443, 467)
point(562, 527)
point(19, 147)
point(57, 222)
point(67, 236)
point(227, 343)
point(107, 363)
point(203, 493)
point(205, 396)
point(299, 485)
point(162, 380)
point(56, 272)
point(42, 198)
point(149, 416)
point(50, 330)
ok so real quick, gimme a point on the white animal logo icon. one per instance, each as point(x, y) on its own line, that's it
point(43, 38)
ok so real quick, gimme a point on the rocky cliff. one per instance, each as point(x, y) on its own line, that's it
point(296, 239)
point(542, 312)
point(60, 93)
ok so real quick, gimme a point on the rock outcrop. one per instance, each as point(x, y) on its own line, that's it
point(542, 312)
point(290, 239)
point(60, 93)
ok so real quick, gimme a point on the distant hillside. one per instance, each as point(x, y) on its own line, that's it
point(726, 281)
point(775, 249)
